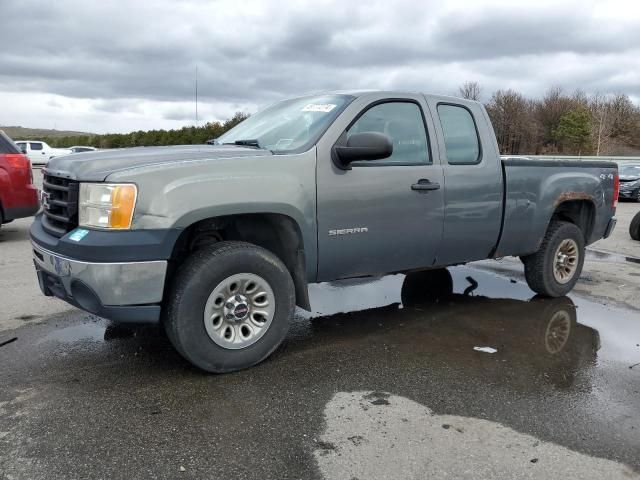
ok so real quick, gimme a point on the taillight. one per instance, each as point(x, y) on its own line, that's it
point(18, 161)
point(616, 189)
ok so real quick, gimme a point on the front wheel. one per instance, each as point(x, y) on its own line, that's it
point(229, 307)
point(555, 268)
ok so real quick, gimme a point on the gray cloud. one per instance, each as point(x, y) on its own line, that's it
point(117, 53)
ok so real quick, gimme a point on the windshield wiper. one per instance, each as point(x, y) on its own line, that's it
point(246, 143)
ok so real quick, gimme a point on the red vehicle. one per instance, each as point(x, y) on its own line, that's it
point(18, 195)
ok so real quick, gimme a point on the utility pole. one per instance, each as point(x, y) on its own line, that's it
point(196, 95)
point(603, 117)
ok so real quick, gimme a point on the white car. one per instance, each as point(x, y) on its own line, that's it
point(40, 152)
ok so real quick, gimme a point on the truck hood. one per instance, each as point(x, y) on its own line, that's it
point(97, 166)
point(629, 178)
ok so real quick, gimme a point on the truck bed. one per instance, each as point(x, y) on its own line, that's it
point(534, 189)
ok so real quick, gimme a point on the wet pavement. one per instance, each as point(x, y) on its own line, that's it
point(383, 385)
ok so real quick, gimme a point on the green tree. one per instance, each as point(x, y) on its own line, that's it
point(181, 136)
point(573, 133)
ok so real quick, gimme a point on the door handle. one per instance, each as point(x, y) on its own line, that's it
point(424, 184)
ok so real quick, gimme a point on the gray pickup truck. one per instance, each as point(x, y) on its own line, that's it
point(219, 242)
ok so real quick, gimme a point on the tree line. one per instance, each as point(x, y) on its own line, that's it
point(563, 123)
point(182, 136)
point(558, 123)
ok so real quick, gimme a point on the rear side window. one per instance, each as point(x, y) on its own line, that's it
point(402, 122)
point(35, 146)
point(460, 135)
point(6, 145)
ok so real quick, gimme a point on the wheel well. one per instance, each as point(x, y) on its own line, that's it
point(579, 212)
point(277, 233)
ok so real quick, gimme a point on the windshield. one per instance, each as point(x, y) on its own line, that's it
point(290, 126)
point(630, 170)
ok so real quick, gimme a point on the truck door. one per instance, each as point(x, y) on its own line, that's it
point(37, 153)
point(383, 215)
point(473, 175)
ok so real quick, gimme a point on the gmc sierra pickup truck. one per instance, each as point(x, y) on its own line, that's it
point(219, 242)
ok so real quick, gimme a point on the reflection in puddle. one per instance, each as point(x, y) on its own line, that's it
point(474, 301)
point(537, 339)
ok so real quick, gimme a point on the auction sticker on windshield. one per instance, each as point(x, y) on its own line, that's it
point(319, 107)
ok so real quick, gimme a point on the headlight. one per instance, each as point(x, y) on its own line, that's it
point(107, 205)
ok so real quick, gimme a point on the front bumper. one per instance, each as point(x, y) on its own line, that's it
point(120, 291)
point(14, 213)
point(628, 192)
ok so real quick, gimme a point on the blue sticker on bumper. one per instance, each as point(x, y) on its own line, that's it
point(78, 234)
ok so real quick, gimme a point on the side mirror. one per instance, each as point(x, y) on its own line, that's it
point(23, 150)
point(363, 146)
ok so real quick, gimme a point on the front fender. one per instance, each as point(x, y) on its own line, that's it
point(177, 195)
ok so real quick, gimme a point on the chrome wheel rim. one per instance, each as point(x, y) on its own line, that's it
point(239, 311)
point(558, 331)
point(565, 261)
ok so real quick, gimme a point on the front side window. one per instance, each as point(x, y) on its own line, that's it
point(290, 126)
point(402, 122)
point(35, 146)
point(460, 135)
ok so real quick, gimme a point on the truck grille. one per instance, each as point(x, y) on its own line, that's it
point(59, 204)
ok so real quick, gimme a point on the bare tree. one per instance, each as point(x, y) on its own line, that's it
point(470, 91)
point(512, 119)
point(549, 111)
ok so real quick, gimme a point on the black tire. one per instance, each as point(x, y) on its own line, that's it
point(193, 283)
point(539, 267)
point(427, 286)
point(634, 227)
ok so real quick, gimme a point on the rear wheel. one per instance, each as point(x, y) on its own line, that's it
point(230, 306)
point(555, 268)
point(634, 228)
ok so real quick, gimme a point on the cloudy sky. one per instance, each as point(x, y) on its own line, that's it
point(116, 66)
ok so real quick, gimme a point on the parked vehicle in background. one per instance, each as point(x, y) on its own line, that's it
point(219, 242)
point(630, 181)
point(634, 227)
point(81, 148)
point(40, 152)
point(18, 195)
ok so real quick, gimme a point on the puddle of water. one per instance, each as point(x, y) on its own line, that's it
point(492, 307)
